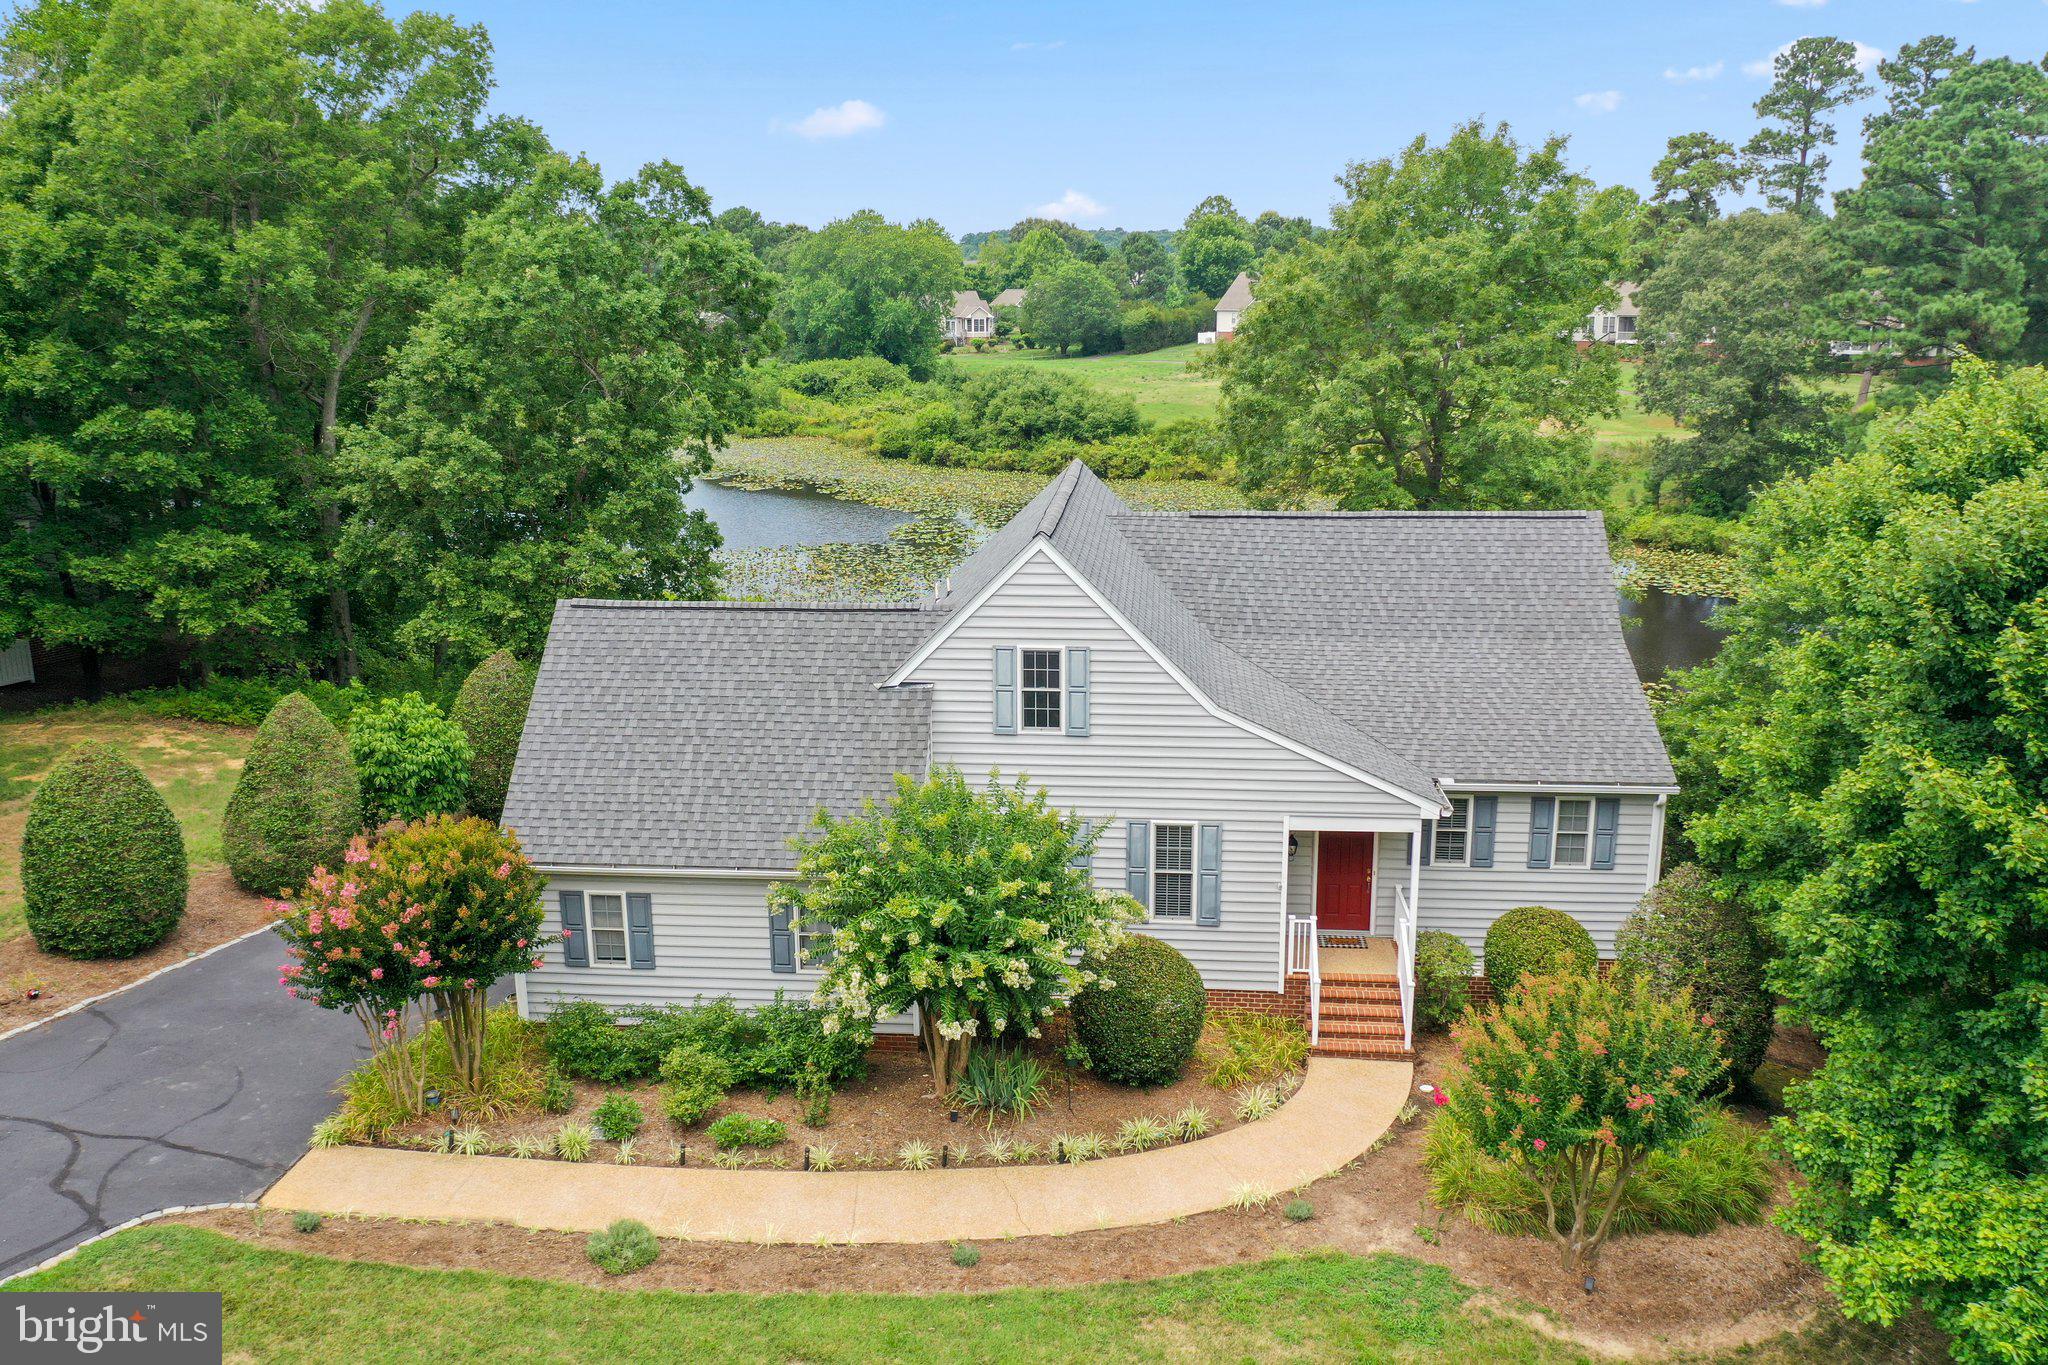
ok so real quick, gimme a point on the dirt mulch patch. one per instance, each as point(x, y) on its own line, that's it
point(872, 1118)
point(1656, 1293)
point(215, 911)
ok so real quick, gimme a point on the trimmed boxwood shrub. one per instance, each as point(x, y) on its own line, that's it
point(622, 1248)
point(1141, 1019)
point(412, 760)
point(1683, 936)
point(296, 803)
point(103, 870)
point(491, 709)
point(1443, 967)
point(1533, 940)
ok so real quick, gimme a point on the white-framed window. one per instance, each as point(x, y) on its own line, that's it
point(1173, 871)
point(813, 944)
point(607, 928)
point(1449, 844)
point(1039, 672)
point(1574, 846)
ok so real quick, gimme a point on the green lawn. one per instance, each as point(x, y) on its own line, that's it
point(193, 765)
point(283, 1306)
point(1157, 381)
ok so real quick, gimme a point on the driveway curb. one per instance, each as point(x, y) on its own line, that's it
point(91, 1000)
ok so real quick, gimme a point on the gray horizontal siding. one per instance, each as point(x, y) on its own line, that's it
point(1466, 900)
point(710, 940)
point(1153, 754)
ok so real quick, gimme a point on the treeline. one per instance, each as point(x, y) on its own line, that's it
point(307, 360)
point(1417, 355)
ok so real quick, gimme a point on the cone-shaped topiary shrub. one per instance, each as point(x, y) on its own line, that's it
point(296, 803)
point(491, 709)
point(1140, 1020)
point(1535, 940)
point(102, 860)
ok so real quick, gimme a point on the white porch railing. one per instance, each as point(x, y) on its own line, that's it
point(1303, 955)
point(1404, 960)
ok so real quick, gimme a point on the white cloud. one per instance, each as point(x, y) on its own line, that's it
point(835, 120)
point(1071, 207)
point(1865, 60)
point(1694, 73)
point(1599, 101)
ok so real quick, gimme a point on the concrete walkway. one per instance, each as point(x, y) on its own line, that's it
point(1342, 1106)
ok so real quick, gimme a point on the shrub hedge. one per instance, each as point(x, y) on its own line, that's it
point(103, 871)
point(772, 1047)
point(1443, 969)
point(1684, 936)
point(491, 709)
point(1141, 1020)
point(296, 803)
point(1531, 940)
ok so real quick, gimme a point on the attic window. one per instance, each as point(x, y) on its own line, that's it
point(1041, 689)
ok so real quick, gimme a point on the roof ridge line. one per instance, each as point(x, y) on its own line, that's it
point(1382, 514)
point(707, 604)
point(1063, 494)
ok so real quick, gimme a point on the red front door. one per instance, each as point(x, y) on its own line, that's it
point(1344, 882)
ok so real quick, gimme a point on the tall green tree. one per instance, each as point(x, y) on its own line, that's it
point(1689, 179)
point(1809, 80)
point(1079, 241)
point(1275, 234)
point(1865, 760)
point(537, 428)
point(1145, 267)
point(1037, 255)
point(1951, 219)
point(1073, 305)
point(866, 286)
point(1734, 327)
point(1215, 245)
point(1416, 357)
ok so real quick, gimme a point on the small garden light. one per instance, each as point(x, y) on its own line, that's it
point(433, 1099)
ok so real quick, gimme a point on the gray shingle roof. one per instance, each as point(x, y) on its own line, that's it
point(1238, 297)
point(967, 303)
point(704, 735)
point(1419, 647)
point(1013, 297)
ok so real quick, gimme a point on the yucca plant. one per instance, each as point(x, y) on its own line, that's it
point(1193, 1122)
point(471, 1140)
point(916, 1156)
point(999, 1150)
point(824, 1157)
point(1076, 1148)
point(333, 1131)
point(528, 1147)
point(1255, 1102)
point(627, 1153)
point(574, 1141)
point(1138, 1134)
point(1011, 1083)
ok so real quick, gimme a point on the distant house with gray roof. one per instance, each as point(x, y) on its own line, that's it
point(1013, 297)
point(970, 318)
point(1302, 738)
point(1232, 306)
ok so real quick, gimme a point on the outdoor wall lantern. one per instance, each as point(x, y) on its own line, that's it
point(1293, 846)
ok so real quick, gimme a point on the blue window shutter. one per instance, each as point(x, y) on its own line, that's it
point(575, 941)
point(1006, 690)
point(1077, 691)
point(640, 930)
point(1428, 840)
point(781, 943)
point(1542, 819)
point(1485, 819)
point(1606, 825)
point(1138, 861)
point(1084, 856)
point(1209, 875)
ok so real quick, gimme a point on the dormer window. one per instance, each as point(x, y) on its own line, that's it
point(1041, 689)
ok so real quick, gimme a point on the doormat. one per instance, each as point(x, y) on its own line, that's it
point(1341, 940)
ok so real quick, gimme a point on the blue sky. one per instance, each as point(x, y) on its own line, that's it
point(1128, 113)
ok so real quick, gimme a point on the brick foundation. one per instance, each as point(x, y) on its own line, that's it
point(894, 1042)
point(1291, 1003)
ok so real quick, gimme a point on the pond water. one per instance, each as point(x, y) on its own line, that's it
point(1664, 630)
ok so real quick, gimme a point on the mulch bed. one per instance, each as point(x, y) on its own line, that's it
point(1656, 1293)
point(872, 1118)
point(216, 910)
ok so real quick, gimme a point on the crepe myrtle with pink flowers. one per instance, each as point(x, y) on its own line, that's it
point(1576, 1079)
point(418, 917)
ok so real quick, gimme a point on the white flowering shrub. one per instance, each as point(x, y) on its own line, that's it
point(963, 901)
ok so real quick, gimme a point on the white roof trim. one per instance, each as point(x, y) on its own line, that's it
point(1482, 786)
point(1041, 546)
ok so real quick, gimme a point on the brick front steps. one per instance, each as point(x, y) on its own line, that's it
point(1361, 1017)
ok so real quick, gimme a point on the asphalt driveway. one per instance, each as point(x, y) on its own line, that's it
point(198, 1087)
